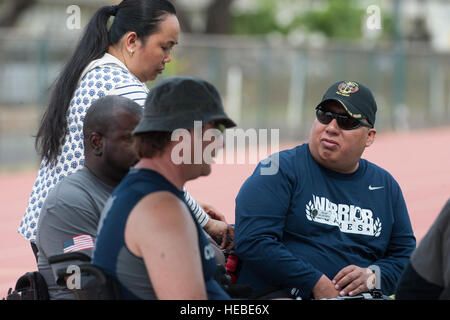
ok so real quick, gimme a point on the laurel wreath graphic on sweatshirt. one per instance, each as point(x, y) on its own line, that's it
point(377, 227)
point(312, 212)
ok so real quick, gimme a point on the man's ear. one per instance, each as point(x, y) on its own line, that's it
point(371, 135)
point(96, 143)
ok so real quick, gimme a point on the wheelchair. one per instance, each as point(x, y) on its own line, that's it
point(94, 284)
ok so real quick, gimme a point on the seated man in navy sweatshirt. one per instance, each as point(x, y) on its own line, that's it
point(327, 223)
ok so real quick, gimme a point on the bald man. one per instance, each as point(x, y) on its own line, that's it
point(70, 214)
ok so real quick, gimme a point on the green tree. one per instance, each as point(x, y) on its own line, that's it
point(260, 21)
point(340, 19)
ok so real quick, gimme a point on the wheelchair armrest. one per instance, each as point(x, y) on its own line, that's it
point(69, 256)
point(94, 283)
point(84, 268)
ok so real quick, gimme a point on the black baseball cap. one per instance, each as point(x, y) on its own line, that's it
point(354, 97)
point(175, 103)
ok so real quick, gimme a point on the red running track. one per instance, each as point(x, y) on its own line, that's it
point(419, 161)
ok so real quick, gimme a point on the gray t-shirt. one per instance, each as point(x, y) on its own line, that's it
point(431, 259)
point(68, 222)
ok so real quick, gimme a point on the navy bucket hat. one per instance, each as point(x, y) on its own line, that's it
point(177, 102)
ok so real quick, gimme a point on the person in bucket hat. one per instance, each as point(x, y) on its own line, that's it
point(328, 223)
point(148, 238)
point(178, 102)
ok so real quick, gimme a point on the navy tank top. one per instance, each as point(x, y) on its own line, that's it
point(111, 253)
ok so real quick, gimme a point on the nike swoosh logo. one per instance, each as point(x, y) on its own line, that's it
point(375, 188)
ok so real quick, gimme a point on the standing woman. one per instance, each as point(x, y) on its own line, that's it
point(122, 47)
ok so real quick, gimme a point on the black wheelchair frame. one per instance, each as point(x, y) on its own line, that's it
point(96, 284)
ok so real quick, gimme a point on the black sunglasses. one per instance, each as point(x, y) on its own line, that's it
point(344, 122)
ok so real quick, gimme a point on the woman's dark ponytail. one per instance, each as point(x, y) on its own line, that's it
point(92, 45)
point(141, 16)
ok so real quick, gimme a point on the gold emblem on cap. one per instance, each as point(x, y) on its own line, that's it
point(347, 87)
point(353, 115)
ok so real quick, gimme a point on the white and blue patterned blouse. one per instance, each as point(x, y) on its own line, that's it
point(105, 76)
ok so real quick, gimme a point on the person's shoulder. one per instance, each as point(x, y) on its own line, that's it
point(446, 209)
point(68, 181)
point(75, 185)
point(128, 85)
point(89, 180)
point(372, 167)
point(165, 208)
point(109, 73)
point(443, 219)
point(81, 175)
point(286, 156)
point(118, 74)
point(289, 157)
point(96, 83)
point(282, 164)
point(160, 201)
point(109, 79)
point(62, 195)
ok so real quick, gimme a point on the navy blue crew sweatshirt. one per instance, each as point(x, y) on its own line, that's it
point(305, 221)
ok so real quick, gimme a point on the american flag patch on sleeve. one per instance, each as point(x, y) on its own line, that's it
point(78, 243)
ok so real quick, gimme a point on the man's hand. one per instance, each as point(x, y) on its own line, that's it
point(353, 280)
point(217, 226)
point(212, 212)
point(324, 289)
